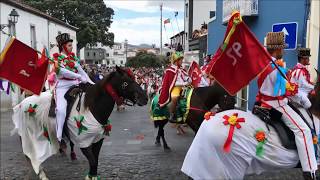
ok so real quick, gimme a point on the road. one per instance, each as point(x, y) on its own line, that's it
point(129, 153)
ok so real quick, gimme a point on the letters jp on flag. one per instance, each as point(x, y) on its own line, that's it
point(240, 58)
point(195, 74)
point(19, 64)
point(167, 21)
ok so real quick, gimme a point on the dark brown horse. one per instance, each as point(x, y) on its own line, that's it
point(203, 99)
point(315, 99)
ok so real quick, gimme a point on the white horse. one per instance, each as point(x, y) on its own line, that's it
point(38, 131)
point(206, 158)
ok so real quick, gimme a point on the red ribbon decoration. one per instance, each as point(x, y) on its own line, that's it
point(234, 121)
point(113, 94)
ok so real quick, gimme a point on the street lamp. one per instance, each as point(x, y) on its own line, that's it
point(13, 19)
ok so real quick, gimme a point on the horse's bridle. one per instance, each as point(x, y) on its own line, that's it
point(118, 99)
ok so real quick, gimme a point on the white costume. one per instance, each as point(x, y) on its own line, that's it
point(301, 76)
point(182, 77)
point(65, 80)
point(274, 96)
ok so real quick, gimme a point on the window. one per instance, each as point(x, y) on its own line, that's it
point(212, 14)
point(113, 62)
point(107, 54)
point(121, 62)
point(94, 54)
point(33, 37)
point(88, 54)
point(59, 32)
point(108, 62)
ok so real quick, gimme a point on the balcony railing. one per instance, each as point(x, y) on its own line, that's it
point(246, 8)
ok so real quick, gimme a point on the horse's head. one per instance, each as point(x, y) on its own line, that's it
point(122, 82)
point(315, 100)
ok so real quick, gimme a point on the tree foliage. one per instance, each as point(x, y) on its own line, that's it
point(92, 17)
point(144, 59)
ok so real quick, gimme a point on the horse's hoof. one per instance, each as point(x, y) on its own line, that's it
point(73, 156)
point(42, 175)
point(92, 178)
point(157, 143)
point(167, 149)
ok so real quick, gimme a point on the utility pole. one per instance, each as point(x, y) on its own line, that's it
point(126, 46)
point(161, 28)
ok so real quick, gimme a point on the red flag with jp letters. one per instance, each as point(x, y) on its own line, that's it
point(240, 58)
point(19, 64)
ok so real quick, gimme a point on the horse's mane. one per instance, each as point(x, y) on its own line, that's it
point(97, 90)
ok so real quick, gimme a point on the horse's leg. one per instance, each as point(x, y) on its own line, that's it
point(72, 154)
point(88, 153)
point(161, 129)
point(96, 147)
point(158, 143)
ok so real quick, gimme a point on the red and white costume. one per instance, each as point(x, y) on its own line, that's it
point(174, 76)
point(66, 79)
point(301, 76)
point(277, 100)
point(205, 80)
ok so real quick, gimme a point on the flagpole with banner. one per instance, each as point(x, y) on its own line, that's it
point(20, 64)
point(240, 58)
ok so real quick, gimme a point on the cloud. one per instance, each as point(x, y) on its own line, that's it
point(142, 30)
point(145, 6)
point(139, 20)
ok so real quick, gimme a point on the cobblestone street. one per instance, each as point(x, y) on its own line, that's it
point(129, 153)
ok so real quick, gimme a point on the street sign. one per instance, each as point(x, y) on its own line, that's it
point(290, 29)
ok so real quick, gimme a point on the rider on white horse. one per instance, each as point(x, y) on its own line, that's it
point(301, 76)
point(69, 73)
point(272, 94)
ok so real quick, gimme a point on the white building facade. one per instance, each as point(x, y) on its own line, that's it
point(35, 29)
point(196, 13)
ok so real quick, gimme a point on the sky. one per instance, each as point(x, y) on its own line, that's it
point(138, 21)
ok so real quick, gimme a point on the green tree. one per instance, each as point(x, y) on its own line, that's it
point(144, 59)
point(92, 17)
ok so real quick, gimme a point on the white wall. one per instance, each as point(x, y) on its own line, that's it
point(313, 36)
point(201, 12)
point(45, 34)
point(46, 31)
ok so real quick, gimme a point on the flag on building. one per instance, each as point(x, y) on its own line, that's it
point(195, 74)
point(240, 58)
point(167, 21)
point(19, 64)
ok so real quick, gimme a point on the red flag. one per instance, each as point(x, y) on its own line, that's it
point(167, 21)
point(240, 59)
point(19, 64)
point(195, 74)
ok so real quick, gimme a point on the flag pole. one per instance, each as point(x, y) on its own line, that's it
point(177, 23)
point(161, 28)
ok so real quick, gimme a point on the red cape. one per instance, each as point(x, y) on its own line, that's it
point(169, 79)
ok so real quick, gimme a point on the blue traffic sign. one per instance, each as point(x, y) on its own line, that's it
point(290, 29)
